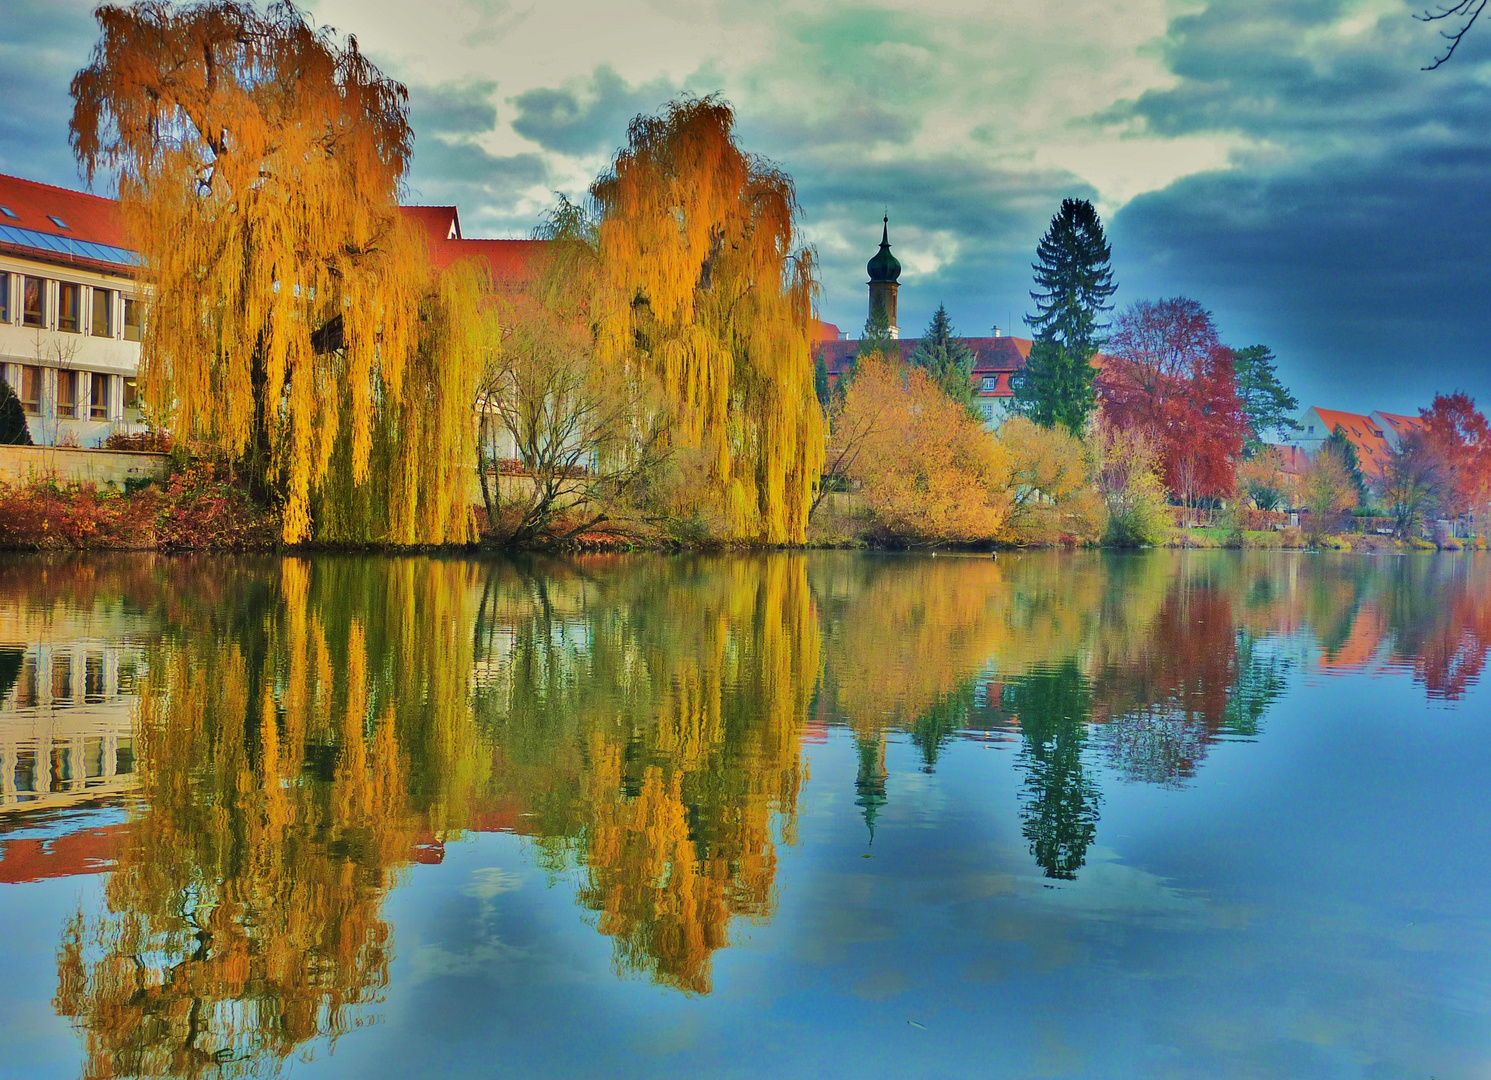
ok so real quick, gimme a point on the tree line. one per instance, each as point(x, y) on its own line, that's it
point(654, 374)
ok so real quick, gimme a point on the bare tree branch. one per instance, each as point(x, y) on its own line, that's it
point(1468, 11)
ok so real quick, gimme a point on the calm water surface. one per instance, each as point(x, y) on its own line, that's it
point(1163, 815)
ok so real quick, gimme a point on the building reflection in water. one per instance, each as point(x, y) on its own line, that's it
point(298, 732)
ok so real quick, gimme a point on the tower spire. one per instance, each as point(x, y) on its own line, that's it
point(884, 270)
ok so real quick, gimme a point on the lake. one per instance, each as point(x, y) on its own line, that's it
point(1168, 814)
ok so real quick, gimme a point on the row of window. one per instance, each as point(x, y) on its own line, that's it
point(96, 686)
point(70, 402)
point(30, 297)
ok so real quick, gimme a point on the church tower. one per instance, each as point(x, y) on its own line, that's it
point(884, 270)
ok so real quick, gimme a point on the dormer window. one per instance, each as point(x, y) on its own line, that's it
point(57, 221)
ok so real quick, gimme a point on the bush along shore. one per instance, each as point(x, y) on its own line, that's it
point(204, 507)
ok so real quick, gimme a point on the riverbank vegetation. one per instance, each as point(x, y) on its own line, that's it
point(650, 379)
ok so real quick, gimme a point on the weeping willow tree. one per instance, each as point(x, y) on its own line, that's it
point(259, 164)
point(711, 294)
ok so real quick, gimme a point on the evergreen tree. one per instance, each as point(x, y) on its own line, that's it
point(13, 430)
point(1056, 386)
point(1267, 404)
point(820, 382)
point(1346, 454)
point(1074, 281)
point(947, 359)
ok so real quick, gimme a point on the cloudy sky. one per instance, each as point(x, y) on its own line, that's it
point(1285, 162)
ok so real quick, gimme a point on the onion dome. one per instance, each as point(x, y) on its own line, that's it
point(884, 267)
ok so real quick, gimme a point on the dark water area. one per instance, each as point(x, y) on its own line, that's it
point(1209, 814)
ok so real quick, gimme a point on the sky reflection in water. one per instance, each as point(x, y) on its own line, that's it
point(1171, 814)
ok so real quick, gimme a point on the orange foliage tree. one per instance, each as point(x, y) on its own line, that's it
point(259, 166)
point(710, 289)
point(1457, 434)
point(929, 471)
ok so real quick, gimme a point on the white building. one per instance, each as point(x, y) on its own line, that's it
point(70, 313)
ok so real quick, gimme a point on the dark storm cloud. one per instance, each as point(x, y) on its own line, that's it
point(583, 119)
point(1358, 240)
point(453, 109)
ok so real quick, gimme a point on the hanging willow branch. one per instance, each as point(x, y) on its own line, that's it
point(709, 290)
point(259, 165)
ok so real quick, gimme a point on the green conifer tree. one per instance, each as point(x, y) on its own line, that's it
point(1267, 404)
point(1347, 454)
point(13, 429)
point(947, 359)
point(1074, 281)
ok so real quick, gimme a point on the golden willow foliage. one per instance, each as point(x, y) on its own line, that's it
point(259, 166)
point(709, 290)
point(287, 772)
point(650, 724)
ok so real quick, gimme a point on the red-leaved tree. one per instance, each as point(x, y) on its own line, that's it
point(1458, 436)
point(1169, 376)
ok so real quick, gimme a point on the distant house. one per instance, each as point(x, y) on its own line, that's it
point(1374, 435)
point(995, 361)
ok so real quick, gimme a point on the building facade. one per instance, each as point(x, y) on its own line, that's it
point(71, 316)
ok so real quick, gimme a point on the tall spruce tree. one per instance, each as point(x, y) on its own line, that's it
point(1267, 404)
point(1074, 281)
point(947, 359)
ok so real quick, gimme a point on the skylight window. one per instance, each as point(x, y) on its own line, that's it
point(8, 212)
point(57, 221)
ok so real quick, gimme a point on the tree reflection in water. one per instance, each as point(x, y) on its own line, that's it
point(307, 728)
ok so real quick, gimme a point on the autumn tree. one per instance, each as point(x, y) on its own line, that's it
point(1052, 498)
point(1261, 478)
point(1413, 482)
point(1326, 488)
point(708, 288)
point(259, 164)
point(585, 438)
point(1126, 471)
point(1074, 282)
point(930, 472)
point(1344, 450)
point(946, 358)
point(1458, 435)
point(1170, 377)
point(1267, 405)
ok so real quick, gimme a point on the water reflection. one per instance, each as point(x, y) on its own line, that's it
point(300, 732)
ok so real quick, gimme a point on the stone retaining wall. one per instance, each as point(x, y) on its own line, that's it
point(70, 465)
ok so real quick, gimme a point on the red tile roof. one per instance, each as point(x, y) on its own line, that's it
point(510, 261)
point(87, 851)
point(88, 217)
point(1369, 440)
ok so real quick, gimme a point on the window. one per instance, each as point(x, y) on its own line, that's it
point(57, 221)
point(8, 212)
point(131, 400)
point(131, 319)
point(67, 393)
point(4, 297)
point(103, 313)
point(989, 383)
point(33, 301)
point(98, 396)
point(30, 388)
point(70, 308)
point(62, 678)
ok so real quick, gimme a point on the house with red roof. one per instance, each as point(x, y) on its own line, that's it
point(70, 313)
point(72, 310)
point(1374, 436)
